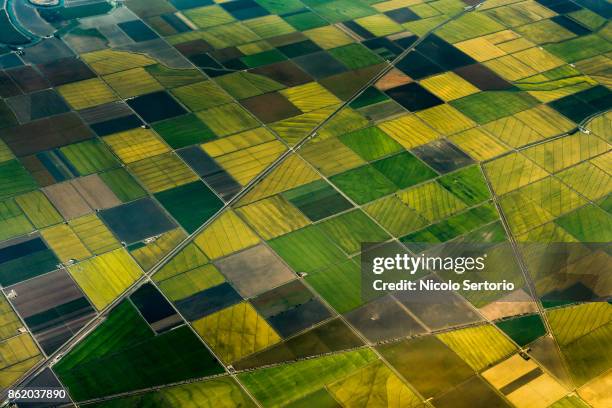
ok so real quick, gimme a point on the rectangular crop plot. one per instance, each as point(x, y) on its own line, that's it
point(25, 258)
point(53, 307)
point(137, 220)
point(123, 354)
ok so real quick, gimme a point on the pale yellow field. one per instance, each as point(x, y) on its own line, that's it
point(511, 172)
point(330, 156)
point(269, 26)
point(449, 86)
point(561, 153)
point(65, 243)
point(538, 59)
point(409, 131)
point(431, 201)
point(226, 235)
point(588, 179)
point(478, 144)
point(236, 332)
point(110, 61)
point(94, 234)
point(310, 97)
point(105, 277)
point(136, 144)
point(133, 82)
point(191, 282)
point(597, 392)
point(162, 172)
point(149, 254)
point(445, 119)
point(87, 93)
point(328, 37)
point(478, 346)
point(273, 217)
point(294, 129)
point(512, 131)
point(379, 24)
point(374, 385)
point(244, 165)
point(510, 68)
point(291, 173)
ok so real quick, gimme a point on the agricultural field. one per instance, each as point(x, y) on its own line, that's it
point(192, 193)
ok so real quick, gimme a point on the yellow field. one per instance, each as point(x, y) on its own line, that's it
point(245, 154)
point(227, 119)
point(545, 120)
point(105, 277)
point(597, 392)
point(65, 243)
point(553, 196)
point(38, 209)
point(292, 172)
point(254, 48)
point(236, 332)
point(17, 355)
point(110, 61)
point(379, 24)
point(186, 259)
point(136, 144)
point(294, 129)
point(478, 346)
point(330, 156)
point(226, 235)
point(394, 4)
point(523, 214)
point(237, 142)
point(328, 37)
point(228, 35)
point(244, 165)
point(481, 49)
point(86, 94)
point(409, 131)
point(540, 392)
point(9, 322)
point(162, 172)
point(133, 82)
point(604, 162)
point(395, 216)
point(310, 97)
point(210, 16)
point(538, 59)
point(478, 144)
point(269, 26)
point(94, 234)
point(431, 201)
point(374, 385)
point(192, 95)
point(449, 86)
point(512, 131)
point(566, 151)
point(273, 217)
point(573, 322)
point(511, 172)
point(149, 254)
point(588, 179)
point(510, 68)
point(602, 126)
point(445, 119)
point(516, 45)
point(191, 282)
